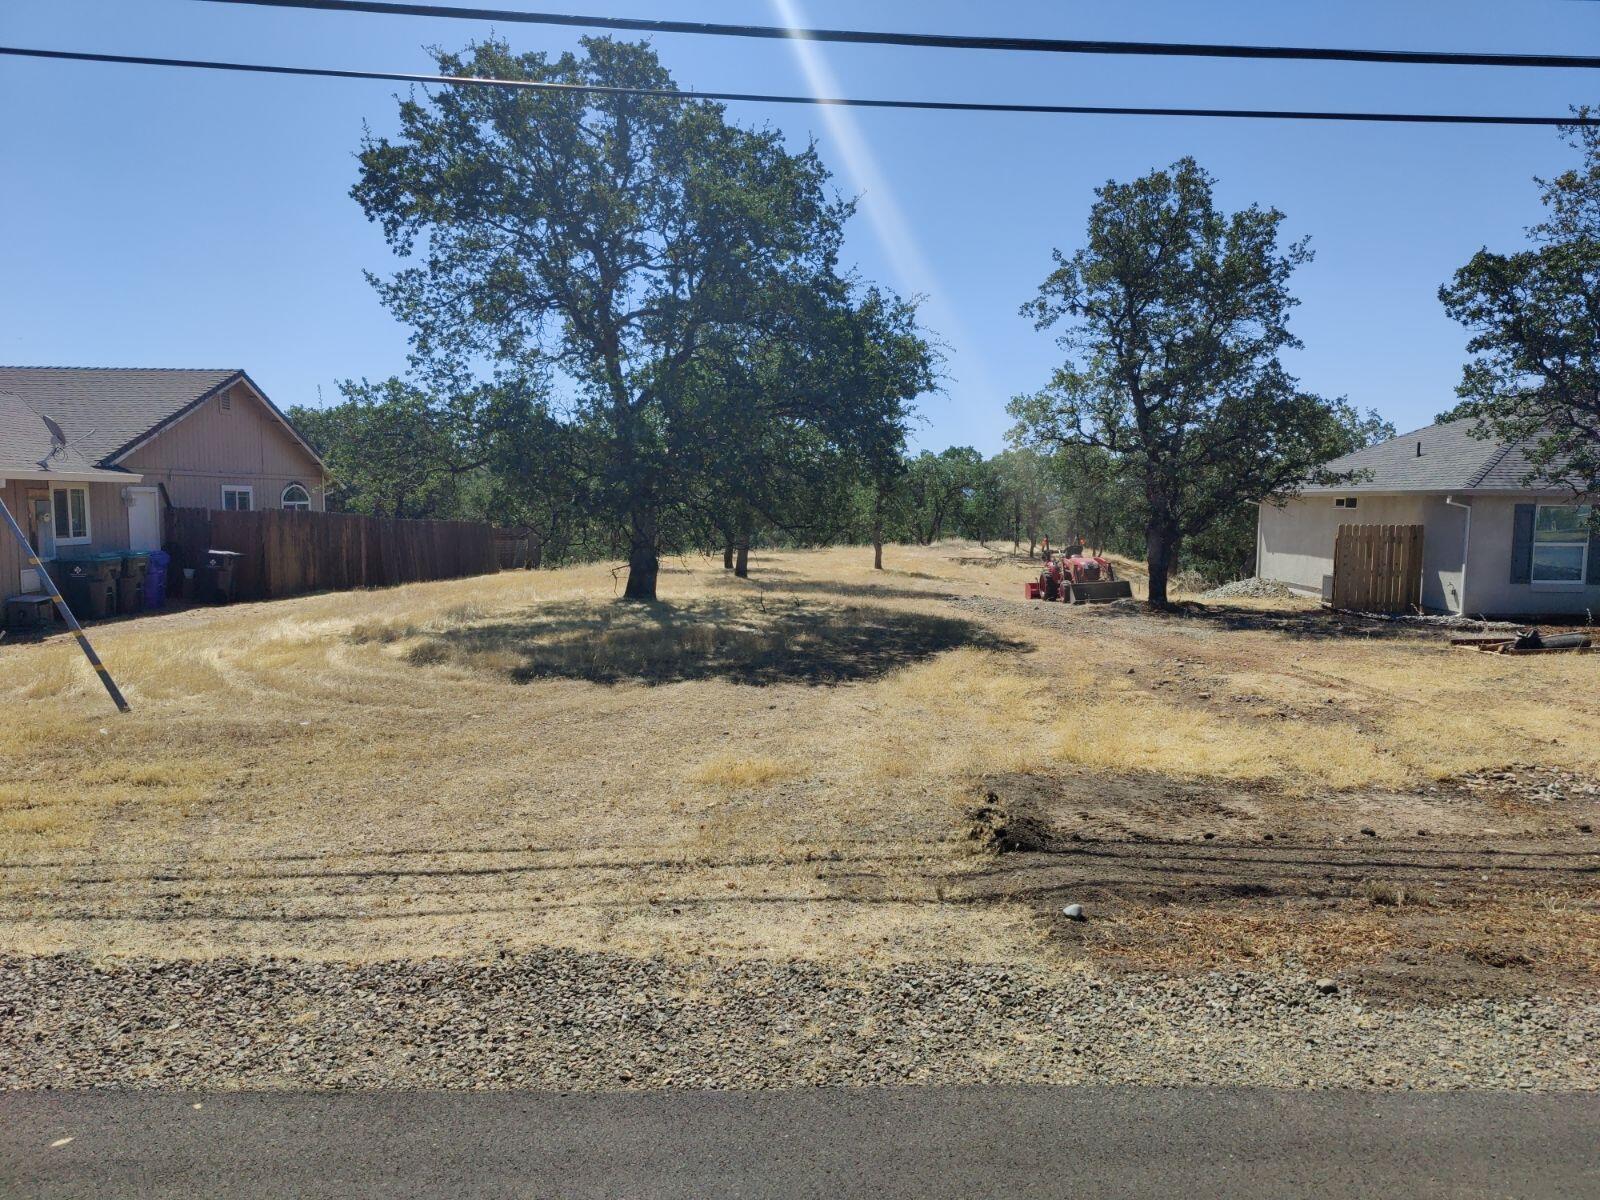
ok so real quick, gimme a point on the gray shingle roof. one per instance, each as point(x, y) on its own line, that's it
point(1452, 460)
point(104, 410)
point(25, 442)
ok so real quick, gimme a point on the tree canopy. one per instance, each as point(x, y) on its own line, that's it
point(1174, 315)
point(1534, 315)
point(663, 267)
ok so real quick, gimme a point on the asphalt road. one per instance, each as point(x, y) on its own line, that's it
point(926, 1143)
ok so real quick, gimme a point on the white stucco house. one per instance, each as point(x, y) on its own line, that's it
point(1492, 545)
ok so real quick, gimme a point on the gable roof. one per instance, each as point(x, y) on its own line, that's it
point(108, 412)
point(1452, 460)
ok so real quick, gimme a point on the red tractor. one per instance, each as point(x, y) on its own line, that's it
point(1079, 578)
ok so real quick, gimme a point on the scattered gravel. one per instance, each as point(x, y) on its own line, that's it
point(1449, 621)
point(569, 1020)
point(1530, 785)
point(1265, 589)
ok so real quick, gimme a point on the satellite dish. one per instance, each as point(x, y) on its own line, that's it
point(58, 439)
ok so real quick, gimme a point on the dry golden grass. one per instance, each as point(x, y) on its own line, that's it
point(727, 770)
point(775, 766)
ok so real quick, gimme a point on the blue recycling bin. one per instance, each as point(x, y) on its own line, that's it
point(155, 579)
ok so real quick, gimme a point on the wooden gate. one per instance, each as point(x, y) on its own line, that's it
point(1378, 568)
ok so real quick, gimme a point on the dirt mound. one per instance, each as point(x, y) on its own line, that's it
point(1005, 830)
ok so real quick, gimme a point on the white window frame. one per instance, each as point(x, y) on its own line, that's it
point(249, 492)
point(88, 515)
point(1533, 557)
point(296, 505)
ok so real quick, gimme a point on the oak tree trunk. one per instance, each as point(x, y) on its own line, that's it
point(644, 563)
point(877, 530)
point(1161, 545)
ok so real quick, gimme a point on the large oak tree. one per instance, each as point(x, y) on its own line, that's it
point(618, 241)
point(1174, 316)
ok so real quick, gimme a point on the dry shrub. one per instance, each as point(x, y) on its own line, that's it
point(1385, 895)
point(380, 632)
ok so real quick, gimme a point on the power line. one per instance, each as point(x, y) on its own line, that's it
point(943, 41)
point(1103, 110)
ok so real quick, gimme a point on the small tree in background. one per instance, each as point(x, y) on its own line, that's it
point(788, 420)
point(936, 487)
point(1029, 498)
point(398, 449)
point(1535, 322)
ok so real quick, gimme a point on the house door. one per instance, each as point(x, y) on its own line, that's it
point(144, 519)
point(42, 534)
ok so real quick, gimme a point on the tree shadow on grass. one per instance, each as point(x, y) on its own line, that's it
point(756, 644)
point(845, 591)
point(1303, 624)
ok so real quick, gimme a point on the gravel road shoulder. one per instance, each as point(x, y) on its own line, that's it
point(579, 1021)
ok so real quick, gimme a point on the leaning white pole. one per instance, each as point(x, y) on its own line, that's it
point(61, 606)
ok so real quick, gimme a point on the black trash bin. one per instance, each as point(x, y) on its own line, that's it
point(130, 596)
point(130, 586)
point(216, 576)
point(89, 584)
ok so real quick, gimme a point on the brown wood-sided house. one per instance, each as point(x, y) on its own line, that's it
point(137, 442)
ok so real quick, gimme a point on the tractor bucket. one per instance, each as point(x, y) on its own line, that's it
point(1099, 592)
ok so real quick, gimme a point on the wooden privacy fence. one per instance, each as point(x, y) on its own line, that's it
point(1378, 568)
point(285, 552)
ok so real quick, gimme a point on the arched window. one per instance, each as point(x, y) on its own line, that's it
point(297, 498)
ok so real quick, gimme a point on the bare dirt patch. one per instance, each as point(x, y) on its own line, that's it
point(1457, 891)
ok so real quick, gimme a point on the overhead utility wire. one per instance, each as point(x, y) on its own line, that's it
point(768, 98)
point(943, 41)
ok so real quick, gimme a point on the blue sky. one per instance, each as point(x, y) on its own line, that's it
point(164, 218)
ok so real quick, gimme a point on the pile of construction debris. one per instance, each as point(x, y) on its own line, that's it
point(1526, 641)
point(1260, 589)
